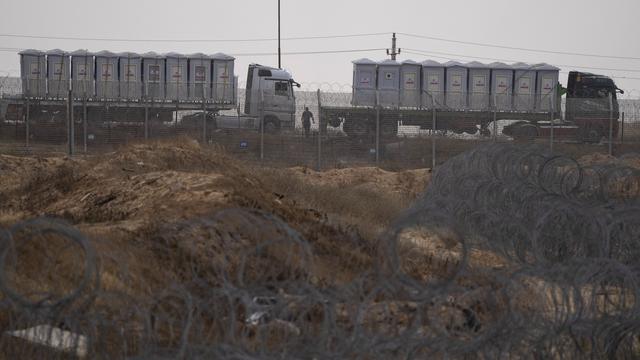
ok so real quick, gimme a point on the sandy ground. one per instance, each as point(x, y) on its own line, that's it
point(129, 200)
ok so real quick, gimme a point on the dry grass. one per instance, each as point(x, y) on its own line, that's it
point(354, 201)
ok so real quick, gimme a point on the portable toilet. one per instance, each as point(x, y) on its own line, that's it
point(153, 76)
point(223, 78)
point(501, 86)
point(177, 65)
point(432, 85)
point(479, 77)
point(82, 72)
point(32, 71)
point(199, 77)
point(58, 69)
point(456, 85)
point(389, 83)
point(130, 75)
point(410, 84)
point(106, 75)
point(546, 87)
point(364, 83)
point(524, 87)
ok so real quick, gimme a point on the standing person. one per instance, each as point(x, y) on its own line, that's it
point(307, 118)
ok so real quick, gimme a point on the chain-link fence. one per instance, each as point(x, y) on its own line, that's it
point(267, 126)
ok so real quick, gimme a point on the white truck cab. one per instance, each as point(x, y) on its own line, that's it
point(270, 97)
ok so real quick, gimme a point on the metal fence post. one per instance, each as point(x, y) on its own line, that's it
point(433, 136)
point(319, 131)
point(495, 117)
point(70, 122)
point(204, 122)
point(27, 123)
point(261, 114)
point(146, 121)
point(622, 131)
point(552, 125)
point(610, 124)
point(84, 124)
point(377, 134)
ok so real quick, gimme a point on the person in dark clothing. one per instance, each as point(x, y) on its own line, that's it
point(307, 118)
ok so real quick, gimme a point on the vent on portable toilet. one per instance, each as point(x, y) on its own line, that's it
point(153, 76)
point(33, 73)
point(106, 75)
point(58, 69)
point(432, 84)
point(501, 86)
point(82, 73)
point(479, 77)
point(410, 84)
point(456, 85)
point(364, 82)
point(389, 83)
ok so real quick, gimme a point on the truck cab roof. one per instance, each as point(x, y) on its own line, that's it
point(272, 73)
point(579, 81)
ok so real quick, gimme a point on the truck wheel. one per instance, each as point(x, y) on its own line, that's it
point(271, 125)
point(592, 136)
point(356, 128)
point(389, 128)
point(525, 132)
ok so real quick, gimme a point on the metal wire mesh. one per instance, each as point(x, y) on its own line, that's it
point(340, 134)
point(510, 252)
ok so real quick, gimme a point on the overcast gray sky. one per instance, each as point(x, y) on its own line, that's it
point(607, 27)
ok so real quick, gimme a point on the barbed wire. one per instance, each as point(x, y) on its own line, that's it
point(510, 252)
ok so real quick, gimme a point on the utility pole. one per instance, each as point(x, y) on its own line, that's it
point(279, 50)
point(393, 51)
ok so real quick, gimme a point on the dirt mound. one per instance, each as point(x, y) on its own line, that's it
point(631, 160)
point(410, 182)
point(179, 155)
point(146, 193)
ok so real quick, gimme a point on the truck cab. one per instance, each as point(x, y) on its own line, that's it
point(591, 104)
point(270, 97)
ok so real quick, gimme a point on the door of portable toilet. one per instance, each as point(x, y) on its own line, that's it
point(199, 77)
point(456, 85)
point(223, 74)
point(33, 73)
point(130, 75)
point(432, 85)
point(82, 72)
point(546, 87)
point(106, 75)
point(524, 81)
point(410, 84)
point(479, 77)
point(501, 86)
point(389, 83)
point(58, 69)
point(364, 83)
point(153, 76)
point(177, 68)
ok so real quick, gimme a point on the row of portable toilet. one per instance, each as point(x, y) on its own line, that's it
point(456, 86)
point(130, 76)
